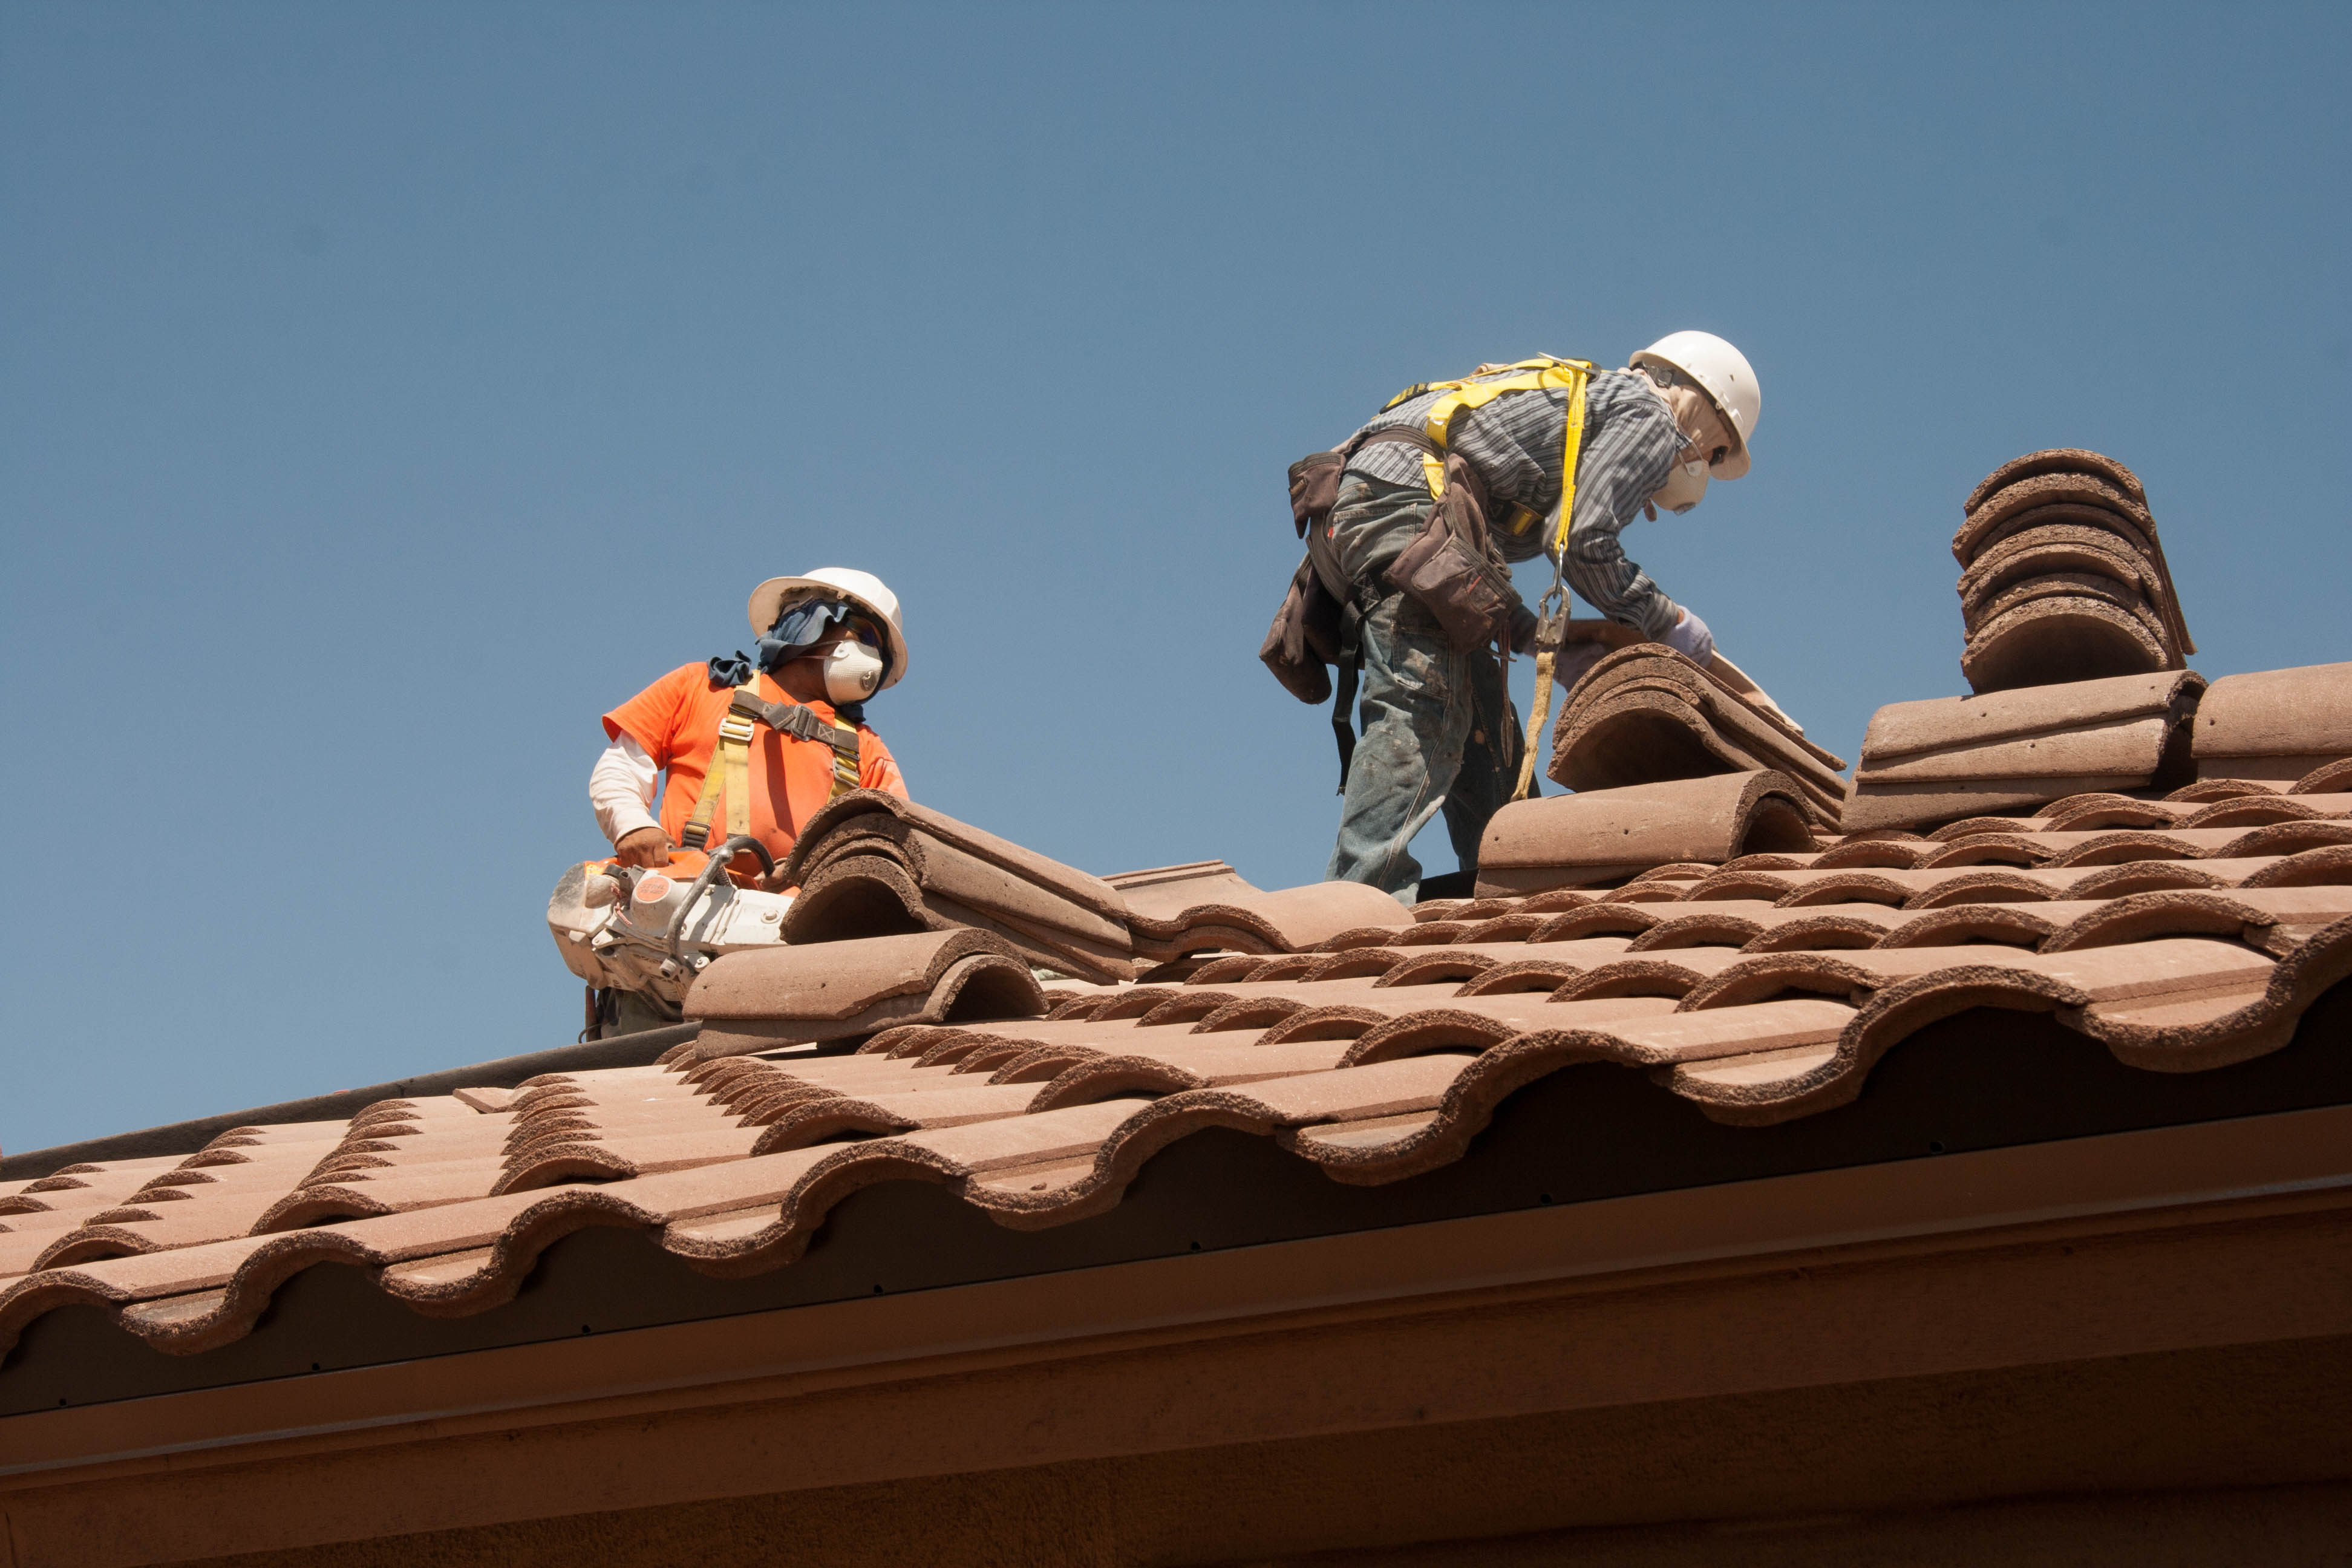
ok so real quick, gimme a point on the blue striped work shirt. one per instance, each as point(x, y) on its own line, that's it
point(1630, 447)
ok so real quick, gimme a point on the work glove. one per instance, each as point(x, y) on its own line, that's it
point(646, 846)
point(1690, 637)
point(1575, 661)
point(1523, 628)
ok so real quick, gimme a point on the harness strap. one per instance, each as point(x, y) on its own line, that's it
point(1343, 696)
point(795, 718)
point(1535, 376)
point(735, 756)
point(1554, 609)
point(731, 762)
point(844, 760)
point(801, 722)
point(1573, 447)
point(1547, 653)
point(730, 775)
point(1398, 434)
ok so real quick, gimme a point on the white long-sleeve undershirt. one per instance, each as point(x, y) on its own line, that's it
point(621, 788)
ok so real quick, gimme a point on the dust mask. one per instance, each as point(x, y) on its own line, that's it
point(852, 671)
point(1685, 488)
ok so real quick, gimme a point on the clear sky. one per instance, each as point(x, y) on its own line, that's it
point(385, 392)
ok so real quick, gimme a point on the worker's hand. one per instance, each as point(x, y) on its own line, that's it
point(646, 846)
point(1575, 662)
point(1690, 637)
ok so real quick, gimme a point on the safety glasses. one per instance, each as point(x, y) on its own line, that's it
point(806, 622)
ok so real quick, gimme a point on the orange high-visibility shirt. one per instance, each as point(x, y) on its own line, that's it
point(676, 719)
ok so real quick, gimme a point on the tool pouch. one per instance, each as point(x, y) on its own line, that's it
point(1453, 568)
point(1315, 488)
point(1307, 634)
point(1315, 477)
point(1305, 637)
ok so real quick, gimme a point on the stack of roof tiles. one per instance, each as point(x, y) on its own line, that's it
point(2180, 935)
point(2076, 652)
point(869, 864)
point(1646, 714)
point(2063, 577)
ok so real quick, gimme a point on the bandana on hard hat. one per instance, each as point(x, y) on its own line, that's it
point(805, 622)
point(798, 627)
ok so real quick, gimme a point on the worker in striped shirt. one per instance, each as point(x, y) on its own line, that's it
point(1438, 726)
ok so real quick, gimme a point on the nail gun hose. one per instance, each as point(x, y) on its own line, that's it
point(714, 869)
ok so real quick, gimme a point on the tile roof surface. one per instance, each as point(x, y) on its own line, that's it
point(2181, 934)
point(2161, 871)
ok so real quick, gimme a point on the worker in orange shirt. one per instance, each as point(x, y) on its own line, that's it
point(786, 724)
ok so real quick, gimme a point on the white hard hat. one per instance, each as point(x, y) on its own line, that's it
point(1728, 380)
point(864, 589)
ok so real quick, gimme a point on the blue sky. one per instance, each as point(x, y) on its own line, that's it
point(388, 390)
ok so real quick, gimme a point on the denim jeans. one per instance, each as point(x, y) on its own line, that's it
point(1436, 734)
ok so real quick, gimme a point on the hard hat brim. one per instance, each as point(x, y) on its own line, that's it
point(768, 601)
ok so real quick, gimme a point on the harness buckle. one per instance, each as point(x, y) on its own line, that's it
point(735, 727)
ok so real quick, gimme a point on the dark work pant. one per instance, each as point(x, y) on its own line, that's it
point(1434, 738)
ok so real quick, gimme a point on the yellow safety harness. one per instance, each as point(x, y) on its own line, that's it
point(1476, 391)
point(1542, 373)
point(731, 762)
